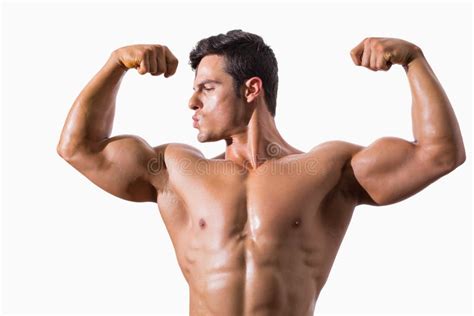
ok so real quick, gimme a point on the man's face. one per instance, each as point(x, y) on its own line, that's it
point(219, 113)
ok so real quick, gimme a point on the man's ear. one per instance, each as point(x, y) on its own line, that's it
point(253, 87)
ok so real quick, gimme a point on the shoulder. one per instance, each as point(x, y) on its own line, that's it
point(176, 156)
point(340, 153)
point(177, 150)
point(337, 147)
point(170, 158)
point(169, 154)
point(335, 152)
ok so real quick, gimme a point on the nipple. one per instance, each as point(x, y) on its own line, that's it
point(296, 223)
point(202, 223)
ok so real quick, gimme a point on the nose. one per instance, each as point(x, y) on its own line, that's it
point(194, 103)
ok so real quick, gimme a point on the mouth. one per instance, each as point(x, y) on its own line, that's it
point(195, 121)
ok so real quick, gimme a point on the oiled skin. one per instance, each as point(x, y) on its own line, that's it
point(259, 242)
point(256, 229)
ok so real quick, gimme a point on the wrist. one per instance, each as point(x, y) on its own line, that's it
point(114, 61)
point(414, 58)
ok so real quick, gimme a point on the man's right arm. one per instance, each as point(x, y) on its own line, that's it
point(125, 166)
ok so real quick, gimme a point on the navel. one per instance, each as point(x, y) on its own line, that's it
point(202, 223)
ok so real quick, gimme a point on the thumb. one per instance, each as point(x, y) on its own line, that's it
point(356, 53)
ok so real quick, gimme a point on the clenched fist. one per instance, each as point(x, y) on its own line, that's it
point(378, 53)
point(155, 59)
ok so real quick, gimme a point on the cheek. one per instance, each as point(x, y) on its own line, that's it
point(220, 110)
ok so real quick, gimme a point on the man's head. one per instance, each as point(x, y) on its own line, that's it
point(234, 72)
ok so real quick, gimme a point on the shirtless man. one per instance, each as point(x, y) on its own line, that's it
point(256, 229)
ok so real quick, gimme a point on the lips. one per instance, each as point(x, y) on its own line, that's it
point(195, 121)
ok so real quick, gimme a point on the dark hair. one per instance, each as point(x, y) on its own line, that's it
point(246, 55)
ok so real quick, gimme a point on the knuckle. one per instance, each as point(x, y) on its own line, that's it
point(379, 47)
point(141, 54)
point(167, 51)
point(159, 52)
point(150, 50)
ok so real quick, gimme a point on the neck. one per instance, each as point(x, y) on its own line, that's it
point(260, 141)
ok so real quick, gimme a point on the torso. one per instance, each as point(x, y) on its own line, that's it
point(257, 242)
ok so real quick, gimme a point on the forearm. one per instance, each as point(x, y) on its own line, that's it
point(90, 118)
point(435, 126)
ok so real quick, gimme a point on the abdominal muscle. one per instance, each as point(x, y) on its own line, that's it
point(252, 276)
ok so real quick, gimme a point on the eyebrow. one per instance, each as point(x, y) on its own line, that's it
point(207, 81)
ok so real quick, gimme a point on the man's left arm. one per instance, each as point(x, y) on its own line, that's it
point(392, 169)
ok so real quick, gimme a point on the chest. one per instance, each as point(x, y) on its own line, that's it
point(218, 202)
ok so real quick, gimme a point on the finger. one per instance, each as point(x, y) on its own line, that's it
point(147, 62)
point(144, 64)
point(381, 63)
point(366, 57)
point(142, 68)
point(373, 59)
point(171, 63)
point(387, 56)
point(356, 53)
point(160, 60)
point(153, 63)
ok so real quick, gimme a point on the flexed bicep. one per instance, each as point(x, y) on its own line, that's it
point(125, 166)
point(392, 169)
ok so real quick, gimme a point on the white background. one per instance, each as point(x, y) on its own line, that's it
point(69, 247)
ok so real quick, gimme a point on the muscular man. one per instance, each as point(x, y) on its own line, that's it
point(256, 229)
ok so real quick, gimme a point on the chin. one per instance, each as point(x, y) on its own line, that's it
point(203, 137)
